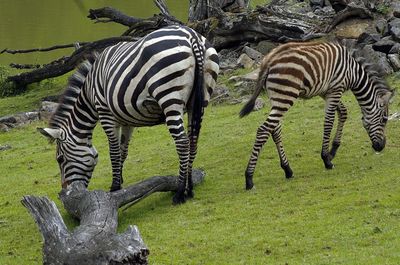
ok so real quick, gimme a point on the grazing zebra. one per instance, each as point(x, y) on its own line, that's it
point(133, 84)
point(305, 70)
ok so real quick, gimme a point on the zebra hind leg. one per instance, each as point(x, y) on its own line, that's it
point(342, 113)
point(125, 137)
point(263, 133)
point(277, 137)
point(192, 155)
point(182, 147)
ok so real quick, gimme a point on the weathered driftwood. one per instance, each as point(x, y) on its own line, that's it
point(95, 241)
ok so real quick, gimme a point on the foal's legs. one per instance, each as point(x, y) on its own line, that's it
point(342, 115)
point(277, 137)
point(263, 132)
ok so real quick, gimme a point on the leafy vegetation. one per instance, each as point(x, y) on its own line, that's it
point(348, 215)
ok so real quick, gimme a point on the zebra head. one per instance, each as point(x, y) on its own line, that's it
point(76, 160)
point(374, 120)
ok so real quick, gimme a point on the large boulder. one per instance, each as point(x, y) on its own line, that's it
point(47, 109)
point(377, 58)
point(381, 26)
point(394, 28)
point(351, 29)
point(384, 45)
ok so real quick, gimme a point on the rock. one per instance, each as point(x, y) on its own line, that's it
point(11, 121)
point(394, 116)
point(253, 54)
point(252, 76)
point(368, 38)
point(394, 29)
point(8, 119)
point(5, 147)
point(220, 90)
point(245, 61)
point(317, 4)
point(395, 48)
point(259, 104)
point(4, 127)
point(228, 59)
point(384, 45)
point(381, 27)
point(396, 9)
point(47, 109)
point(351, 29)
point(394, 60)
point(265, 47)
point(379, 59)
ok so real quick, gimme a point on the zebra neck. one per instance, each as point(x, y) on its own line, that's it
point(78, 119)
point(365, 95)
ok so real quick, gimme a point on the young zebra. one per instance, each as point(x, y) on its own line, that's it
point(133, 84)
point(305, 70)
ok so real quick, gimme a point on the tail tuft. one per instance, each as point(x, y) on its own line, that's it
point(247, 108)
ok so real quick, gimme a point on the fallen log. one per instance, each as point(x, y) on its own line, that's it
point(95, 241)
point(65, 64)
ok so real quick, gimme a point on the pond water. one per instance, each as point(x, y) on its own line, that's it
point(29, 24)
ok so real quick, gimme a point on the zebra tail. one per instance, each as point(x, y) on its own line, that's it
point(249, 106)
point(198, 91)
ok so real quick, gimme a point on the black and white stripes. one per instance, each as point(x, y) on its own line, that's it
point(304, 70)
point(152, 81)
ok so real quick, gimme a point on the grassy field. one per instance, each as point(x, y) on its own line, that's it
point(348, 215)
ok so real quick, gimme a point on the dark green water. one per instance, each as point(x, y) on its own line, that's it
point(43, 23)
point(26, 24)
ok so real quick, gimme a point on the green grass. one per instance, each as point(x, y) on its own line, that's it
point(31, 99)
point(348, 215)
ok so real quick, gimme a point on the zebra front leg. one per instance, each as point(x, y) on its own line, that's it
point(342, 114)
point(330, 108)
point(277, 137)
point(124, 139)
point(112, 131)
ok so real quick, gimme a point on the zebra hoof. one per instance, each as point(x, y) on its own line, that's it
point(329, 165)
point(179, 198)
point(249, 184)
point(189, 194)
point(249, 181)
point(288, 171)
point(115, 188)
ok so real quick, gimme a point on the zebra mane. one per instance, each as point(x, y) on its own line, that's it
point(372, 69)
point(72, 91)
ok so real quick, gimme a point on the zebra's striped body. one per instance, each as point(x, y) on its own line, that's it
point(305, 70)
point(133, 84)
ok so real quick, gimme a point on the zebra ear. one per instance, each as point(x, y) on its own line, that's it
point(50, 133)
point(386, 97)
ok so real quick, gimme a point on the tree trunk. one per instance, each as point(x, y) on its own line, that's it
point(95, 241)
